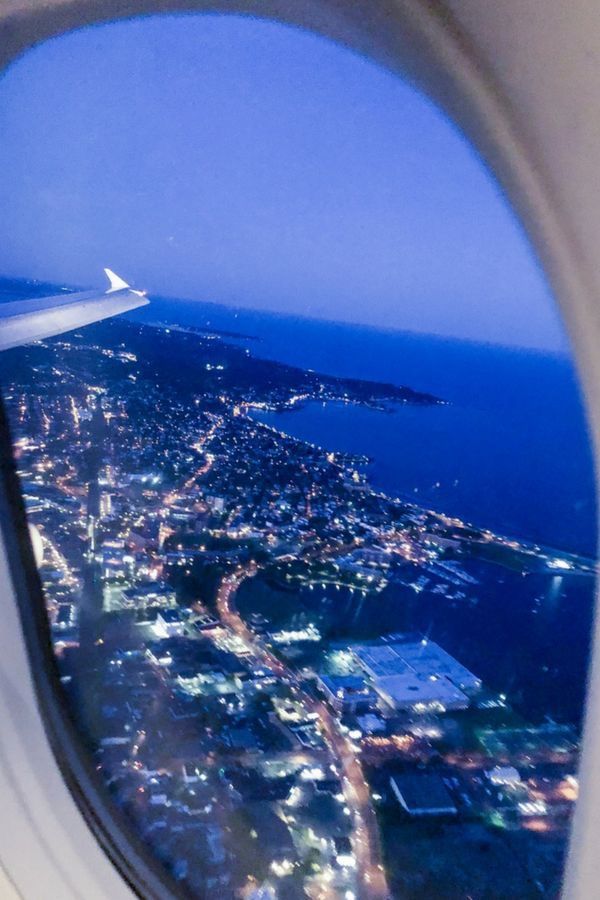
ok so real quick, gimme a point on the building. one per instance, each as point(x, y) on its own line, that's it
point(347, 693)
point(417, 675)
point(151, 593)
point(205, 622)
point(105, 505)
point(420, 693)
point(66, 617)
point(344, 855)
point(217, 504)
point(423, 795)
point(241, 738)
point(504, 775)
point(371, 724)
point(169, 623)
point(116, 561)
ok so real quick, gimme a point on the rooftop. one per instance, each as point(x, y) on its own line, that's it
point(170, 615)
point(345, 685)
point(422, 794)
point(422, 658)
point(148, 589)
point(409, 689)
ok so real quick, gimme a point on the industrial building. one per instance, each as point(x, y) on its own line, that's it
point(417, 675)
point(423, 795)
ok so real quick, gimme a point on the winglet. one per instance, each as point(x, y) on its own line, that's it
point(116, 283)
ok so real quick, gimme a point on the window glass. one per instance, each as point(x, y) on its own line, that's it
point(316, 525)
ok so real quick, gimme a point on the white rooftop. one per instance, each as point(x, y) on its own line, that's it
point(504, 775)
point(424, 658)
point(409, 689)
point(370, 724)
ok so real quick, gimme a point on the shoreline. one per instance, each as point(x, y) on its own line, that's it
point(526, 544)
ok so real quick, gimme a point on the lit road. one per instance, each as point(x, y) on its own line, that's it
point(54, 557)
point(63, 483)
point(365, 836)
point(204, 469)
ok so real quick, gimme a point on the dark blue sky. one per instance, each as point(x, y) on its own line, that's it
point(248, 163)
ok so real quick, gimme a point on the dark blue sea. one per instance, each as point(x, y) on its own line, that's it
point(509, 452)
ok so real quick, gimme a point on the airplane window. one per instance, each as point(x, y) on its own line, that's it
point(308, 478)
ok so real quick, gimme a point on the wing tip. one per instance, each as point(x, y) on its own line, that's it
point(116, 283)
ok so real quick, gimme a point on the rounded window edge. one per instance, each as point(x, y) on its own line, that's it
point(526, 195)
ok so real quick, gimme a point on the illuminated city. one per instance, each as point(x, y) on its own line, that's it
point(242, 625)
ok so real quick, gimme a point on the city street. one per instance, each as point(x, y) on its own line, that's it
point(365, 834)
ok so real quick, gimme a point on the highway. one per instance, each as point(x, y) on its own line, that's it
point(365, 836)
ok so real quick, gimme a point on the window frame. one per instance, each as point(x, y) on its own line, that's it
point(455, 52)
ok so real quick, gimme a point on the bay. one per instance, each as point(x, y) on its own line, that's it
point(510, 451)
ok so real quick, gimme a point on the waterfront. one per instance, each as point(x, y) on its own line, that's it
point(511, 452)
point(503, 627)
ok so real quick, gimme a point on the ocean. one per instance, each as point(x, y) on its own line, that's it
point(509, 452)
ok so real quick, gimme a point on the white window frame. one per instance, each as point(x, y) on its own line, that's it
point(521, 78)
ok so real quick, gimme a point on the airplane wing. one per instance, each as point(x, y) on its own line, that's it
point(24, 321)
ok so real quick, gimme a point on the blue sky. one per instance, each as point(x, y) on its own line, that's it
point(248, 163)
